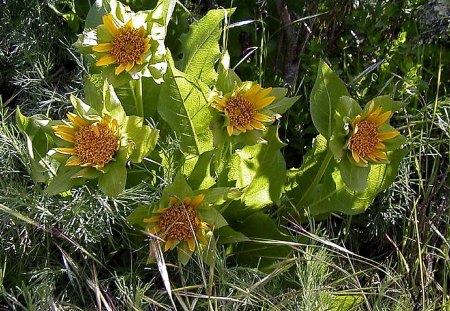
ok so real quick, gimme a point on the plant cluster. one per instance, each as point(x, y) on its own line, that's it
point(231, 170)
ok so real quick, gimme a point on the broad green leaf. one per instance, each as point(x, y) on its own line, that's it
point(200, 177)
point(93, 85)
point(63, 181)
point(85, 111)
point(355, 177)
point(200, 46)
point(112, 105)
point(336, 196)
point(212, 216)
point(179, 188)
point(219, 195)
point(227, 79)
point(112, 182)
point(283, 105)
point(260, 254)
point(227, 235)
point(183, 104)
point(140, 213)
point(143, 136)
point(261, 169)
point(150, 96)
point(94, 16)
point(325, 94)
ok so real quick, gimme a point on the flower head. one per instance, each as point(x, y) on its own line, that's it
point(94, 144)
point(127, 46)
point(366, 139)
point(179, 223)
point(243, 108)
point(126, 42)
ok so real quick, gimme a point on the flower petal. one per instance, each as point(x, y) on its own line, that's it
point(76, 119)
point(258, 125)
point(253, 90)
point(191, 244)
point(119, 69)
point(261, 103)
point(263, 93)
point(129, 66)
point(380, 154)
point(152, 219)
point(230, 130)
point(262, 117)
point(201, 237)
point(67, 137)
point(111, 25)
point(106, 60)
point(73, 161)
point(70, 151)
point(197, 200)
point(382, 118)
point(169, 244)
point(103, 47)
point(154, 230)
point(388, 135)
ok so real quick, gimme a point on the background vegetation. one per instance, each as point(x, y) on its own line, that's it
point(79, 253)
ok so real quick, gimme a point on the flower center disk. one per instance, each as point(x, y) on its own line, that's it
point(365, 139)
point(179, 222)
point(96, 144)
point(128, 46)
point(240, 111)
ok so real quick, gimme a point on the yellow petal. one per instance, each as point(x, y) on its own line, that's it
point(197, 200)
point(76, 119)
point(129, 24)
point(201, 237)
point(119, 69)
point(160, 211)
point(129, 67)
point(382, 118)
point(154, 230)
point(252, 91)
point(262, 117)
point(356, 156)
point(204, 226)
point(380, 154)
point(70, 151)
point(230, 130)
point(263, 93)
point(191, 244)
point(186, 201)
point(387, 135)
point(374, 115)
point(240, 128)
point(106, 60)
point(261, 103)
point(65, 136)
point(63, 129)
point(169, 244)
point(73, 162)
point(380, 146)
point(373, 158)
point(173, 200)
point(258, 125)
point(103, 47)
point(108, 21)
point(152, 219)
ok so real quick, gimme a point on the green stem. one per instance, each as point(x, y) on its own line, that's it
point(316, 180)
point(138, 100)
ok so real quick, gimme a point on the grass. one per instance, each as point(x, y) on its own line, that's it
point(79, 253)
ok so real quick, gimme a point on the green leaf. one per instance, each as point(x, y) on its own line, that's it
point(262, 254)
point(112, 105)
point(183, 104)
point(200, 46)
point(219, 195)
point(227, 79)
point(261, 169)
point(143, 138)
point(93, 85)
point(140, 213)
point(212, 216)
point(84, 110)
point(336, 197)
point(179, 188)
point(325, 94)
point(200, 177)
point(150, 96)
point(355, 177)
point(227, 235)
point(63, 181)
point(94, 16)
point(112, 182)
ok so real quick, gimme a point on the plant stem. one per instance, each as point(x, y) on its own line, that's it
point(316, 180)
point(138, 99)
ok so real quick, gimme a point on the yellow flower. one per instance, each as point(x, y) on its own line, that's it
point(366, 139)
point(94, 143)
point(128, 46)
point(243, 108)
point(180, 222)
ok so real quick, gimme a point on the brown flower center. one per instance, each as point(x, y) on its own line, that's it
point(365, 139)
point(179, 222)
point(96, 144)
point(128, 47)
point(240, 111)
